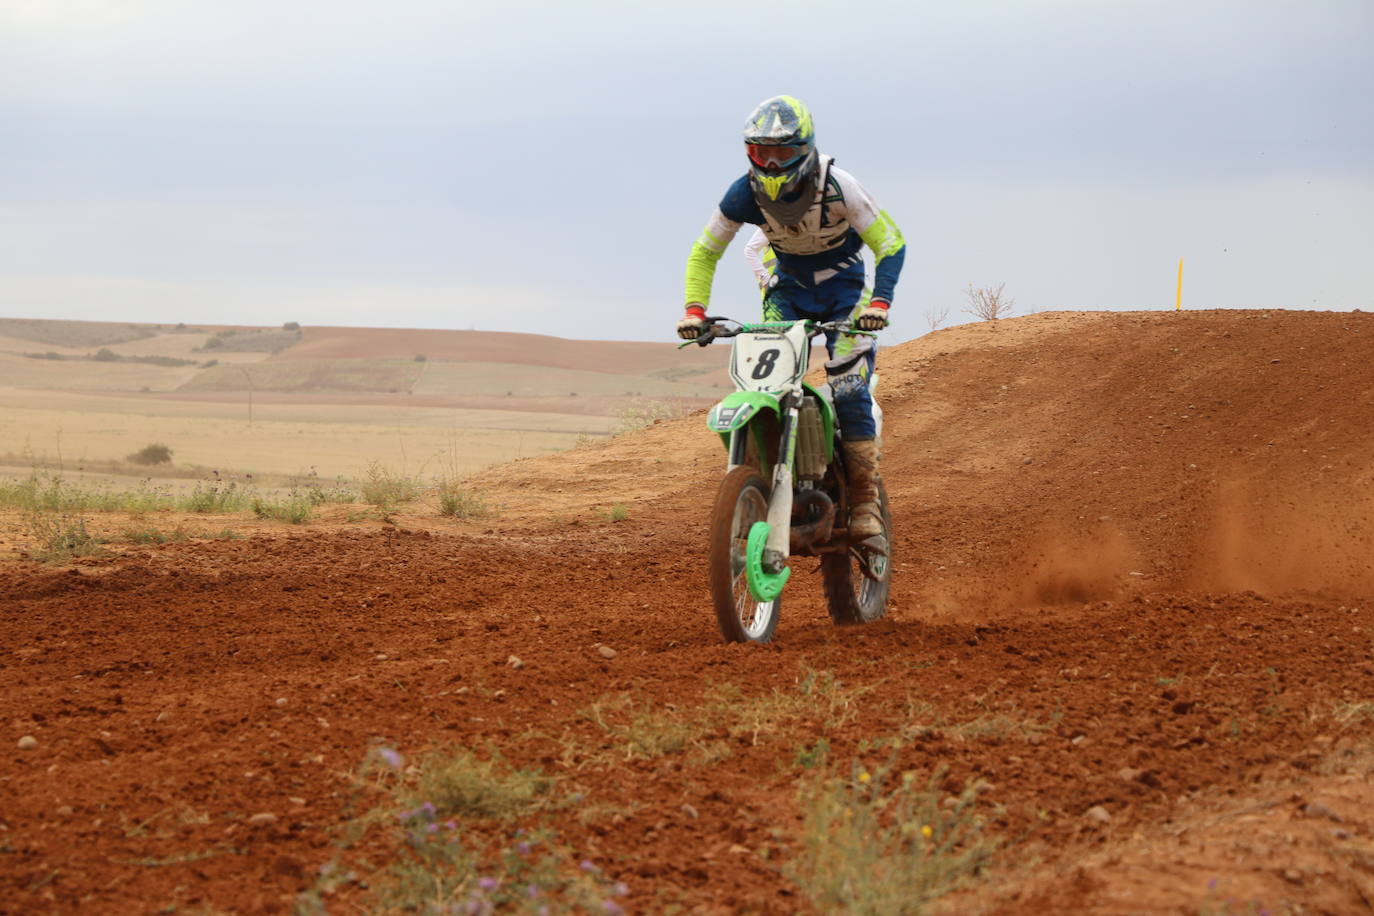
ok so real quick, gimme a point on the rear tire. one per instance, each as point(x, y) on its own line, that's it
point(741, 501)
point(852, 596)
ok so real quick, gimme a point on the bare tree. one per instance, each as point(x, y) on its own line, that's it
point(936, 316)
point(987, 302)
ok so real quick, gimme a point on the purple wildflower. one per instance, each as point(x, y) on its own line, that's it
point(523, 848)
point(391, 758)
point(587, 865)
point(487, 883)
point(610, 906)
point(620, 889)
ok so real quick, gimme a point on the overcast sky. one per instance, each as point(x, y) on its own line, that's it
point(545, 166)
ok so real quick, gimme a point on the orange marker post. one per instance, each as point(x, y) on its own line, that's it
point(1178, 297)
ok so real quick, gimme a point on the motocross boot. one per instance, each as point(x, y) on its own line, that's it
point(861, 464)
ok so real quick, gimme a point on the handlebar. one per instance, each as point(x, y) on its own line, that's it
point(718, 326)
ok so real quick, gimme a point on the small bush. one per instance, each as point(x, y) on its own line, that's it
point(152, 454)
point(420, 357)
point(458, 502)
point(291, 326)
point(61, 537)
point(877, 842)
point(105, 355)
point(215, 496)
point(461, 784)
point(384, 488)
point(617, 513)
point(209, 364)
point(296, 508)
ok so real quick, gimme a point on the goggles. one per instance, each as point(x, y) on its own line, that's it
point(773, 158)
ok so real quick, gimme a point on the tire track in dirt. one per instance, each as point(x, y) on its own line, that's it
point(1020, 650)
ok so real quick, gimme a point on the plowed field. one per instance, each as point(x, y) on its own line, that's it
point(1133, 598)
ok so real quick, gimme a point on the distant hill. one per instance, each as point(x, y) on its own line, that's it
point(493, 369)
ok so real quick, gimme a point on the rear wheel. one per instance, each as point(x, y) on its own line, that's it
point(741, 501)
point(857, 581)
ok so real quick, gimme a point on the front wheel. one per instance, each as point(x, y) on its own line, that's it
point(741, 501)
point(857, 581)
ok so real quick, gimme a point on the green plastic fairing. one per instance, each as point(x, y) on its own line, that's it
point(764, 586)
point(736, 410)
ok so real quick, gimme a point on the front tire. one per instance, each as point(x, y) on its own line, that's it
point(741, 501)
point(852, 596)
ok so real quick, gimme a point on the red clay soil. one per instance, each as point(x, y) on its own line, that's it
point(1134, 595)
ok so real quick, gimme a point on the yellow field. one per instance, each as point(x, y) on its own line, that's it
point(333, 440)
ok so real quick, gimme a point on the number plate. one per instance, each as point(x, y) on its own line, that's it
point(766, 362)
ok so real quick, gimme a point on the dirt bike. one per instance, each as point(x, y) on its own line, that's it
point(785, 491)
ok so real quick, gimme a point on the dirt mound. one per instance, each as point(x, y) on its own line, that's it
point(1132, 602)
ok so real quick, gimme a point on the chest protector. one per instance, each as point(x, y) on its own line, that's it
point(824, 225)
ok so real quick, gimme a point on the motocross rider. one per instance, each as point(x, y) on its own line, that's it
point(817, 218)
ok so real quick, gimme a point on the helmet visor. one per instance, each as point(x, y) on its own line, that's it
point(772, 158)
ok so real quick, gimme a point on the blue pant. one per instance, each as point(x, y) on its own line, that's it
point(836, 299)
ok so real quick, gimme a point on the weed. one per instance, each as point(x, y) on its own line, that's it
point(295, 508)
point(1351, 712)
point(875, 844)
point(813, 756)
point(152, 536)
point(458, 502)
point(61, 537)
point(460, 783)
point(215, 496)
point(645, 414)
point(617, 513)
point(650, 732)
point(527, 872)
point(384, 488)
point(445, 865)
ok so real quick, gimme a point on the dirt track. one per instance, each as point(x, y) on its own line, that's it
point(1134, 570)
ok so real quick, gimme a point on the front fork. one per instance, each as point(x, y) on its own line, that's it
point(769, 542)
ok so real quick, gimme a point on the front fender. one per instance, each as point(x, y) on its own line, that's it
point(737, 409)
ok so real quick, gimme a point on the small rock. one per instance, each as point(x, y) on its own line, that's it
point(1128, 774)
point(1098, 814)
point(1292, 874)
point(1027, 460)
point(1078, 740)
point(606, 651)
point(736, 849)
point(380, 656)
point(262, 819)
point(515, 662)
point(295, 800)
point(28, 743)
point(281, 701)
point(65, 811)
point(1317, 809)
point(690, 811)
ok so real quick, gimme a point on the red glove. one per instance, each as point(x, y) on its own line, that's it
point(873, 318)
point(689, 328)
